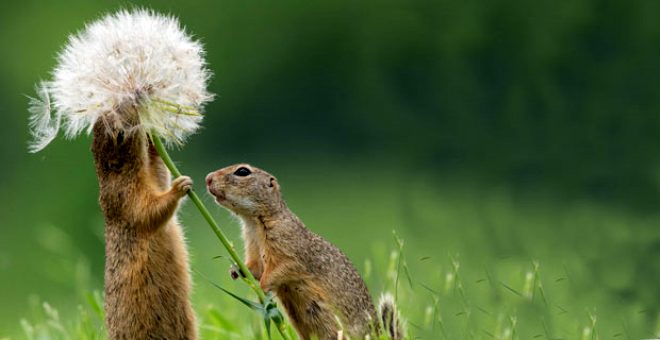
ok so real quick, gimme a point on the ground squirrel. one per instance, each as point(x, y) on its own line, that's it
point(147, 281)
point(315, 282)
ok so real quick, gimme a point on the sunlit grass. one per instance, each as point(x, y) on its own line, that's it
point(463, 302)
point(467, 262)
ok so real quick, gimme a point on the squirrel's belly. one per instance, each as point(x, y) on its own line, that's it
point(147, 285)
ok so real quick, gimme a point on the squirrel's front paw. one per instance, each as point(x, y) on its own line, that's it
point(235, 272)
point(182, 185)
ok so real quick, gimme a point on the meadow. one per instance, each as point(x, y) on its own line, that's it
point(511, 146)
point(481, 262)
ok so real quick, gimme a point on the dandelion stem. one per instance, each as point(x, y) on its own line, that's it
point(167, 102)
point(249, 278)
point(178, 111)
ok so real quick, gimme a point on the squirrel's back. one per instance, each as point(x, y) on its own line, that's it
point(333, 271)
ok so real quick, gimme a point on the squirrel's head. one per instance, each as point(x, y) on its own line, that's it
point(245, 190)
point(117, 148)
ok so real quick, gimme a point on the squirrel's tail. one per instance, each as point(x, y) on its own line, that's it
point(390, 317)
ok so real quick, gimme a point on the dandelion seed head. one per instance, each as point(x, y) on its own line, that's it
point(130, 59)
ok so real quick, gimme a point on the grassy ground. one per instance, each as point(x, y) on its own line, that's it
point(476, 262)
point(509, 301)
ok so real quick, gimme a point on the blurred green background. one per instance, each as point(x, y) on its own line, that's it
point(493, 136)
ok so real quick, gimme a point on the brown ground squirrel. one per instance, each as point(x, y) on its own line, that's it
point(315, 282)
point(147, 281)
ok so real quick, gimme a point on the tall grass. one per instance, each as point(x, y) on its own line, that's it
point(459, 301)
point(466, 262)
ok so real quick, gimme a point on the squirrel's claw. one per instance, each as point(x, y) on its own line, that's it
point(235, 272)
point(181, 185)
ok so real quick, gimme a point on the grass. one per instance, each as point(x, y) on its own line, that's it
point(512, 302)
point(468, 261)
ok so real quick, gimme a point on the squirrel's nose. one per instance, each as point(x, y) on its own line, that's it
point(209, 179)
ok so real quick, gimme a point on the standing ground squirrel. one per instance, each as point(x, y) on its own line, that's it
point(147, 282)
point(315, 282)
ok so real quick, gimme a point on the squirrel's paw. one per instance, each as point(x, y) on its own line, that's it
point(182, 185)
point(235, 272)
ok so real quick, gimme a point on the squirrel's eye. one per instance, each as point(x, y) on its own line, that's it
point(242, 171)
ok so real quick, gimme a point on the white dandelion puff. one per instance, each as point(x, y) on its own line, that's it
point(43, 125)
point(137, 59)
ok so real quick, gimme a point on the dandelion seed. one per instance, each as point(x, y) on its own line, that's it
point(367, 269)
point(131, 59)
point(586, 333)
point(428, 316)
point(392, 266)
point(528, 288)
point(28, 329)
point(449, 282)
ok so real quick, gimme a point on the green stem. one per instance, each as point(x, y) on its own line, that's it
point(249, 278)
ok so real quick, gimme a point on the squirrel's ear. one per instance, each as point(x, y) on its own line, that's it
point(273, 182)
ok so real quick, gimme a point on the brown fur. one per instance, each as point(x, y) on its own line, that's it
point(147, 281)
point(314, 281)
